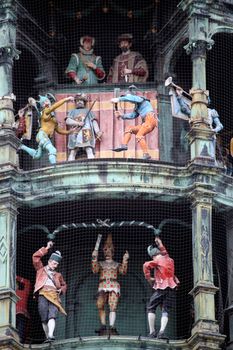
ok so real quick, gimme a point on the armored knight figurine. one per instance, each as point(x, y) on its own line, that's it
point(88, 129)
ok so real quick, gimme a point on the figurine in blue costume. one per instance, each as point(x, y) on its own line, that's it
point(185, 107)
point(48, 125)
point(142, 108)
point(85, 67)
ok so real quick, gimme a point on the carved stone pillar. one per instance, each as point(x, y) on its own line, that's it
point(8, 159)
point(201, 137)
point(229, 229)
point(8, 141)
point(204, 290)
point(8, 298)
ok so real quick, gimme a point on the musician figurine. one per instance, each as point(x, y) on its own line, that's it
point(181, 108)
point(88, 129)
point(109, 287)
point(181, 104)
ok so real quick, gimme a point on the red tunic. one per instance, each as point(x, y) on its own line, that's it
point(164, 270)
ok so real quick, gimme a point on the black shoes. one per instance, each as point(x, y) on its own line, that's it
point(161, 335)
point(158, 335)
point(49, 340)
point(120, 148)
point(102, 330)
point(113, 331)
point(146, 156)
point(153, 335)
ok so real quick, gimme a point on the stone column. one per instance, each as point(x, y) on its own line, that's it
point(205, 329)
point(8, 298)
point(229, 229)
point(8, 141)
point(8, 161)
point(201, 136)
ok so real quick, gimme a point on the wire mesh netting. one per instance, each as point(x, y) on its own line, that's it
point(48, 33)
point(76, 229)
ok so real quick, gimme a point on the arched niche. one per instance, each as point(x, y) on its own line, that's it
point(24, 72)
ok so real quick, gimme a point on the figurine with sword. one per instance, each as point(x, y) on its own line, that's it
point(109, 288)
point(88, 129)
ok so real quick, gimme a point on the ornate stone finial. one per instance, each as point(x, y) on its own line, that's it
point(198, 48)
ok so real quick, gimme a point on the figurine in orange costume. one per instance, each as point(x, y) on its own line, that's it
point(164, 282)
point(109, 287)
point(142, 108)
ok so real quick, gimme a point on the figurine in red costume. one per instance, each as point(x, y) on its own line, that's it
point(164, 282)
point(109, 287)
point(48, 287)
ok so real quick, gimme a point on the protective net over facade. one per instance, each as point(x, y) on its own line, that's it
point(116, 172)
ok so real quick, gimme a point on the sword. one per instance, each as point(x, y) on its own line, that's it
point(116, 95)
point(97, 244)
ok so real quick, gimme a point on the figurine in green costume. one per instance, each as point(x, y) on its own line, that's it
point(85, 67)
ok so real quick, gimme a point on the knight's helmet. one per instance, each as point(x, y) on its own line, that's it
point(80, 100)
point(108, 245)
point(152, 251)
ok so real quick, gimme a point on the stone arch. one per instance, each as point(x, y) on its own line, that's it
point(220, 29)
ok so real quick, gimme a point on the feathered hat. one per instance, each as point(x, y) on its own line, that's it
point(153, 251)
point(56, 256)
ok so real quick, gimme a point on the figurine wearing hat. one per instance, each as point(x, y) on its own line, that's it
point(109, 287)
point(48, 287)
point(142, 108)
point(164, 283)
point(48, 125)
point(129, 66)
point(88, 131)
point(85, 67)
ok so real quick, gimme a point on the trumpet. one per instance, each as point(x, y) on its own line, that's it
point(169, 82)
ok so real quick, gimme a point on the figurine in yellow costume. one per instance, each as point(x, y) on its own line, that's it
point(109, 287)
point(48, 125)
